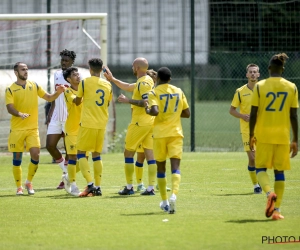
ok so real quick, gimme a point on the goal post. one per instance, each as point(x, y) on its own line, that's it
point(25, 37)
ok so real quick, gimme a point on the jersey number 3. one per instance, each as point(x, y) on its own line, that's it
point(274, 96)
point(102, 94)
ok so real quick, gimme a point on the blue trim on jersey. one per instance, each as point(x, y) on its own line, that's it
point(161, 175)
point(79, 156)
point(177, 171)
point(239, 95)
point(258, 90)
point(15, 156)
point(261, 169)
point(129, 160)
point(145, 96)
point(10, 91)
point(151, 162)
point(34, 162)
point(82, 85)
point(251, 168)
point(279, 177)
point(17, 163)
point(140, 165)
point(98, 158)
point(72, 162)
point(139, 86)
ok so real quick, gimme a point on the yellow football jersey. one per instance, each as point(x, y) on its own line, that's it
point(96, 93)
point(25, 100)
point(142, 87)
point(170, 101)
point(274, 97)
point(242, 100)
point(74, 112)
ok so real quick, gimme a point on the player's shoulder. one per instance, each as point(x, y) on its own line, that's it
point(145, 80)
point(242, 88)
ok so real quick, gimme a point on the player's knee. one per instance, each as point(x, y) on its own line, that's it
point(17, 158)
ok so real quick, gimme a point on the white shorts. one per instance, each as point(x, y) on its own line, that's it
point(56, 127)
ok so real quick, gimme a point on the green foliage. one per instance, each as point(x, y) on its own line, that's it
point(216, 209)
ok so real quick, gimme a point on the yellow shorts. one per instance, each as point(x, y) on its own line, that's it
point(70, 141)
point(246, 140)
point(137, 135)
point(17, 138)
point(167, 147)
point(140, 149)
point(276, 156)
point(90, 139)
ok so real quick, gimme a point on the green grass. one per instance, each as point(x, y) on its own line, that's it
point(215, 209)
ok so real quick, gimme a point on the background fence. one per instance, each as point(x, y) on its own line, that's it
point(228, 36)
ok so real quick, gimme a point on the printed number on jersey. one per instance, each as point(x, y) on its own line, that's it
point(280, 96)
point(169, 98)
point(101, 97)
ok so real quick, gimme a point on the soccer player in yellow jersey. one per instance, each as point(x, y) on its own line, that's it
point(21, 100)
point(273, 112)
point(140, 129)
point(95, 94)
point(168, 104)
point(72, 76)
point(242, 100)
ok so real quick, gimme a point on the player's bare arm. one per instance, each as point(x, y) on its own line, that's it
point(152, 111)
point(49, 116)
point(78, 100)
point(51, 97)
point(252, 122)
point(129, 87)
point(237, 114)
point(185, 113)
point(294, 124)
point(123, 99)
point(11, 109)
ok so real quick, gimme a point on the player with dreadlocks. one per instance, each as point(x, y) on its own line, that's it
point(58, 113)
point(273, 112)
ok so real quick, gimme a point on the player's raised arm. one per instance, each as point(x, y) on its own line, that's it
point(51, 97)
point(129, 87)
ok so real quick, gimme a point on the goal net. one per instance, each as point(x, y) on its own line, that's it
point(37, 40)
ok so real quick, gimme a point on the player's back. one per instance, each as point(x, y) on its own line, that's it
point(274, 97)
point(96, 93)
point(171, 101)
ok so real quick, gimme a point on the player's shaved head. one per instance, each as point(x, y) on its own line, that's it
point(141, 63)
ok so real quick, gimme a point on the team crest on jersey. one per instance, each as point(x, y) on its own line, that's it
point(30, 88)
point(72, 147)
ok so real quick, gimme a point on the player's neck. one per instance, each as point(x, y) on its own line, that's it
point(95, 74)
point(74, 86)
point(21, 82)
point(141, 74)
point(251, 85)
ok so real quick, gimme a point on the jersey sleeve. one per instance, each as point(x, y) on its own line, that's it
point(236, 99)
point(80, 89)
point(255, 96)
point(40, 91)
point(185, 103)
point(69, 96)
point(8, 96)
point(144, 88)
point(295, 103)
point(152, 100)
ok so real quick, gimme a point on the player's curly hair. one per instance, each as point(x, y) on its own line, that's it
point(96, 64)
point(68, 53)
point(164, 74)
point(279, 60)
point(67, 73)
point(152, 73)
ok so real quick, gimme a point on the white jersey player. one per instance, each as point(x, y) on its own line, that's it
point(58, 113)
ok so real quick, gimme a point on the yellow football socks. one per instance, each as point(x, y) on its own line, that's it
point(98, 166)
point(162, 184)
point(139, 172)
point(152, 170)
point(17, 172)
point(32, 168)
point(72, 170)
point(176, 178)
point(129, 170)
point(264, 181)
point(85, 169)
point(252, 174)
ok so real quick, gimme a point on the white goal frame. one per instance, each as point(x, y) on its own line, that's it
point(102, 46)
point(69, 16)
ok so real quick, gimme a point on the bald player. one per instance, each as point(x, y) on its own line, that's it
point(139, 131)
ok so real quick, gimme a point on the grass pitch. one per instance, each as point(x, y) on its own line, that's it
point(216, 209)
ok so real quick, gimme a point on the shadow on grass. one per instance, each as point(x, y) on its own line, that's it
point(248, 221)
point(232, 194)
point(117, 196)
point(143, 214)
